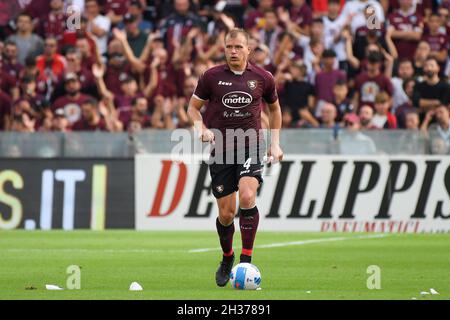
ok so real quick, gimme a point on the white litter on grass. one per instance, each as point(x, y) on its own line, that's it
point(52, 287)
point(432, 291)
point(424, 293)
point(135, 287)
point(308, 291)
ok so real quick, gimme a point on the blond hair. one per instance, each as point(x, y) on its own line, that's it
point(235, 32)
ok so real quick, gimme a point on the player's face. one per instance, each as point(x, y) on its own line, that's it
point(236, 52)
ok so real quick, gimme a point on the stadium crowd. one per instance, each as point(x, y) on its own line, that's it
point(127, 65)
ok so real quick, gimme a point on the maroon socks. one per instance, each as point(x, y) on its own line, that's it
point(226, 237)
point(248, 222)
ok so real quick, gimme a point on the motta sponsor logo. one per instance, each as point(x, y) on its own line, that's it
point(237, 99)
point(332, 194)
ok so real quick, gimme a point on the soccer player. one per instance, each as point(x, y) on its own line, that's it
point(234, 92)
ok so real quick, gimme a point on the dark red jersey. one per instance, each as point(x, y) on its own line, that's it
point(235, 100)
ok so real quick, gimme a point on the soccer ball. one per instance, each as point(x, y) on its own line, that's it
point(245, 276)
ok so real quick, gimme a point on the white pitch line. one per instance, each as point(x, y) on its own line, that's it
point(297, 243)
point(91, 250)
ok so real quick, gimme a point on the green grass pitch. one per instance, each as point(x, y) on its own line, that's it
point(163, 264)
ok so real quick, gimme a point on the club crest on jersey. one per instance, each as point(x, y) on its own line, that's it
point(252, 84)
point(219, 188)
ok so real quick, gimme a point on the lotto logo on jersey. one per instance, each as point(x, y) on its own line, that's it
point(237, 99)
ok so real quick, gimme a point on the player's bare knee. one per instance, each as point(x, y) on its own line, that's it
point(246, 199)
point(226, 217)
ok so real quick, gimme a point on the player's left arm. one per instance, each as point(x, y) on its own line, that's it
point(275, 127)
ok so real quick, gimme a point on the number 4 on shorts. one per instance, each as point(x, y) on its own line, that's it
point(247, 163)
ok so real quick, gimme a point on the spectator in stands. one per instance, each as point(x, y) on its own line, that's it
point(123, 102)
point(334, 25)
point(312, 57)
point(287, 49)
point(351, 121)
point(29, 93)
point(341, 101)
point(44, 119)
point(354, 141)
point(22, 117)
point(298, 95)
point(420, 57)
point(368, 84)
point(72, 100)
point(412, 120)
point(136, 9)
point(441, 128)
point(189, 86)
point(255, 18)
point(10, 63)
point(423, 7)
point(53, 24)
point(8, 83)
point(5, 110)
point(405, 71)
point(270, 32)
point(75, 65)
point(28, 43)
point(140, 114)
point(433, 91)
point(51, 63)
point(439, 146)
point(383, 119)
point(178, 24)
point(301, 15)
point(328, 117)
point(366, 115)
point(136, 38)
point(407, 28)
point(260, 56)
point(60, 122)
point(90, 118)
point(403, 109)
point(150, 75)
point(436, 39)
point(117, 66)
point(116, 9)
point(371, 32)
point(88, 57)
point(97, 24)
point(328, 76)
point(373, 46)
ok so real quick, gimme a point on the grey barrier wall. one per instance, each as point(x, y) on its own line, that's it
point(294, 141)
point(66, 193)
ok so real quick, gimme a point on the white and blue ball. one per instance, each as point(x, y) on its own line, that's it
point(245, 276)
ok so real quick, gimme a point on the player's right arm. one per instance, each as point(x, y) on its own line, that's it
point(202, 93)
point(196, 118)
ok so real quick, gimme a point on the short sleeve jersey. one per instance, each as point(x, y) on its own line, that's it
point(235, 100)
